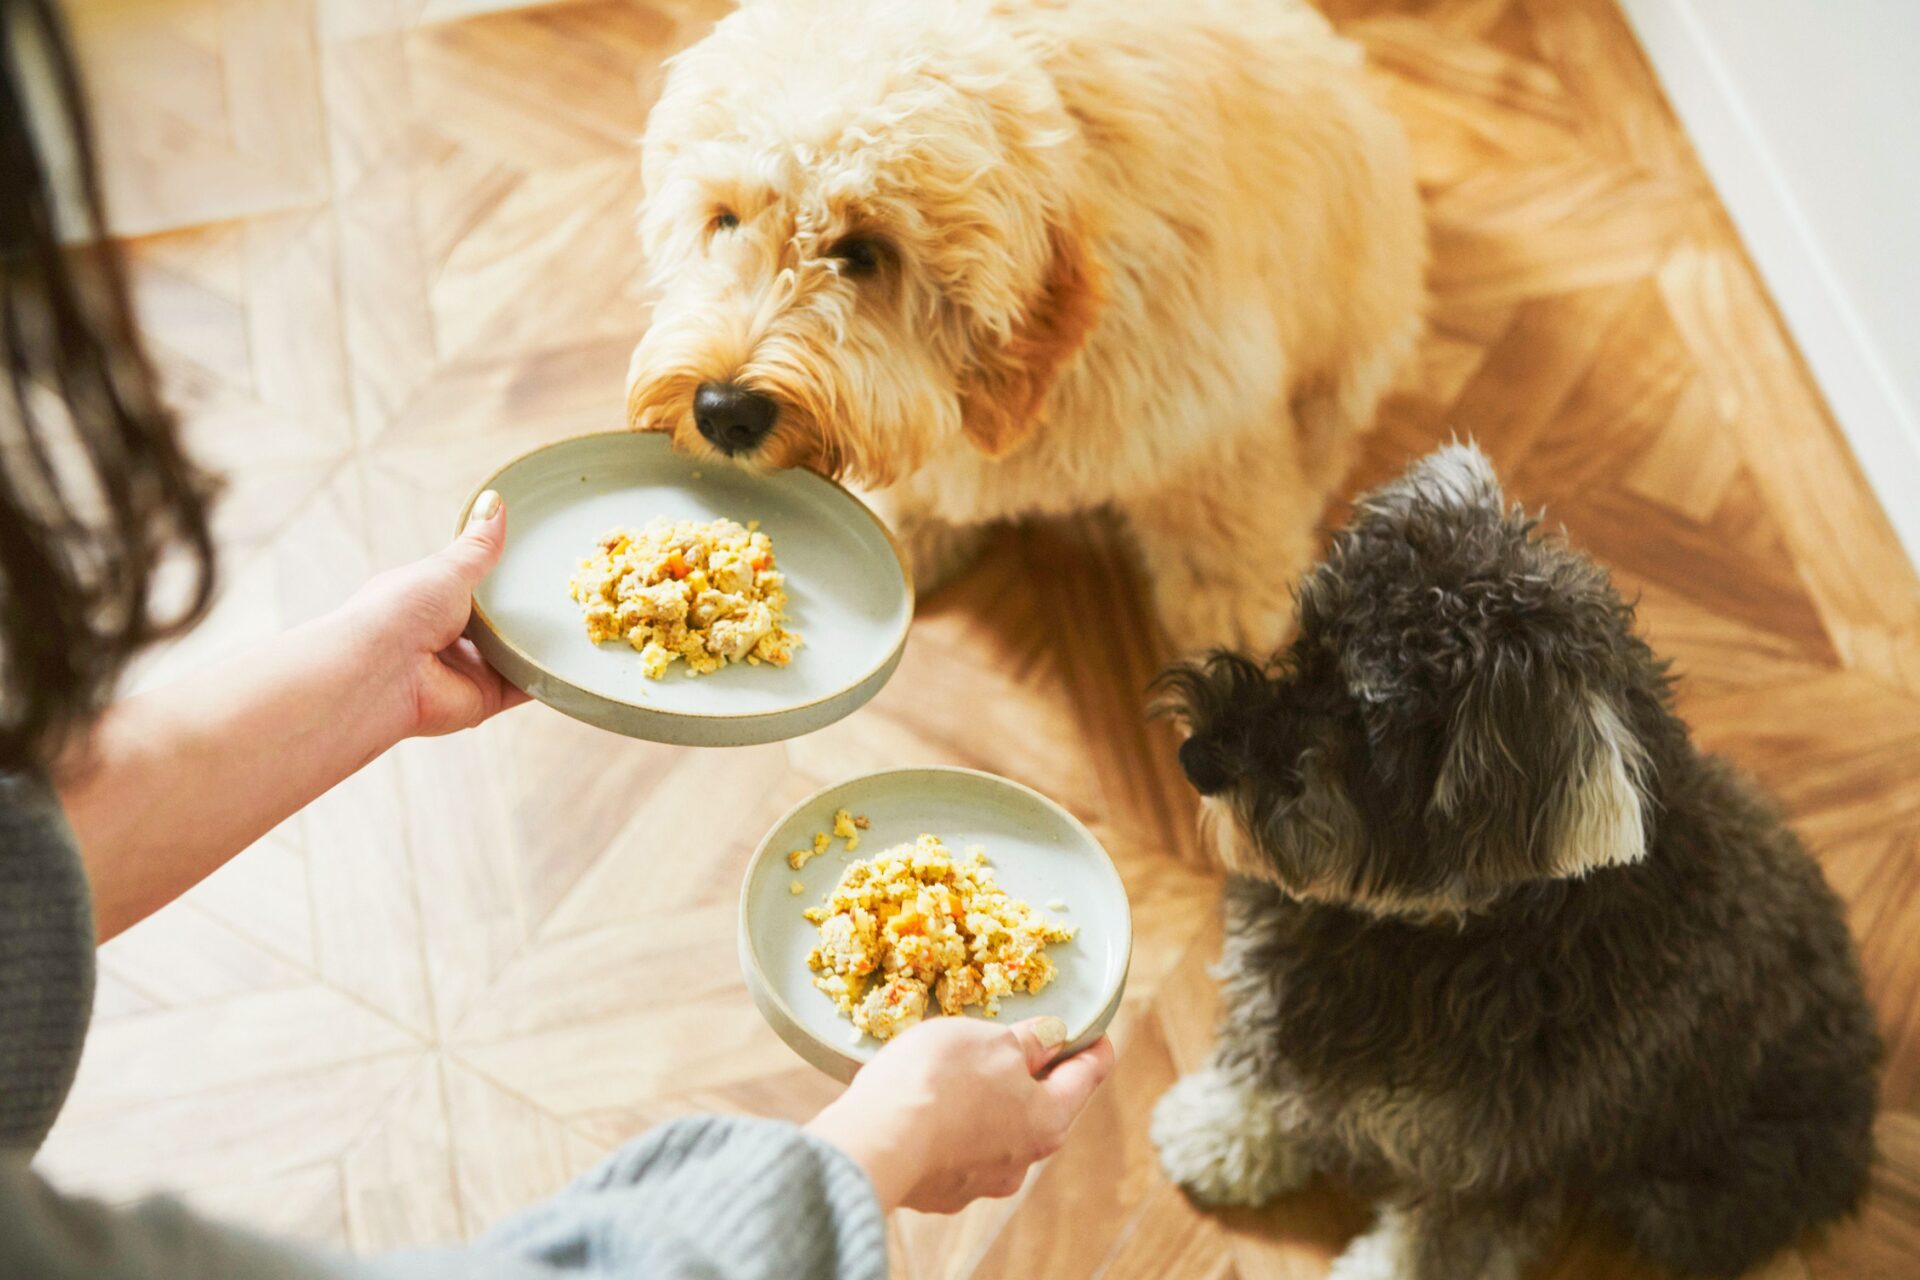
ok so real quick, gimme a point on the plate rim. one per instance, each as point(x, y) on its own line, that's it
point(480, 618)
point(750, 951)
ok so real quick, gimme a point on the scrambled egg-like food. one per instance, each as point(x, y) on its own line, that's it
point(848, 827)
point(916, 922)
point(845, 825)
point(704, 593)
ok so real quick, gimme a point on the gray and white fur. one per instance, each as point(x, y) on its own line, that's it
point(1500, 942)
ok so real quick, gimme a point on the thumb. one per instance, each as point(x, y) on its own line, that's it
point(474, 553)
point(1040, 1039)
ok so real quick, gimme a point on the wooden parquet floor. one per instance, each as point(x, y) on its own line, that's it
point(383, 244)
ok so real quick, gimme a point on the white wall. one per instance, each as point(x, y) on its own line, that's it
point(1806, 114)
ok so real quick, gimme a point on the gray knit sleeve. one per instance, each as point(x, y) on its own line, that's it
point(705, 1198)
point(48, 1236)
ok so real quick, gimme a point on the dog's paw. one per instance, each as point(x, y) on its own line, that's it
point(1411, 1244)
point(1380, 1254)
point(1220, 1137)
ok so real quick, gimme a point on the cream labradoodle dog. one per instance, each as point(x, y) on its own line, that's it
point(1001, 259)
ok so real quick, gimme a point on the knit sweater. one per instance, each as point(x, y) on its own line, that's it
point(46, 961)
point(705, 1197)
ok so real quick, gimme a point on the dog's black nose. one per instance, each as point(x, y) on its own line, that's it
point(733, 418)
point(1205, 766)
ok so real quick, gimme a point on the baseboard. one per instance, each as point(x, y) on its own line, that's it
point(1881, 424)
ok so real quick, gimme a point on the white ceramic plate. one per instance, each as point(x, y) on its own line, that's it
point(849, 593)
point(1039, 851)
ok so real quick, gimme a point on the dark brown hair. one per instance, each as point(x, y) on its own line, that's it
point(95, 490)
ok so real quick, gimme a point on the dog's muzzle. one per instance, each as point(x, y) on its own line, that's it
point(733, 418)
point(1205, 766)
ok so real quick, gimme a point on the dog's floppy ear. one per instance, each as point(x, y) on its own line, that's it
point(1540, 779)
point(1002, 393)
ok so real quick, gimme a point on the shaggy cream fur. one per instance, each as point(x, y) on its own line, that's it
point(1017, 257)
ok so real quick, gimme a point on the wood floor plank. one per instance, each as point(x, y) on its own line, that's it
point(1170, 1238)
point(1097, 1182)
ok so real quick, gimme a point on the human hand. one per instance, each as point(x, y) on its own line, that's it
point(952, 1110)
point(410, 620)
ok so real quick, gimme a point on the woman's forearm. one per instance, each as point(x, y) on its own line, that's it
point(174, 782)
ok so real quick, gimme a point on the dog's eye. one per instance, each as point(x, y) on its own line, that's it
point(860, 256)
point(725, 220)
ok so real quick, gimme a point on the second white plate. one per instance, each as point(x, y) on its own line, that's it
point(1040, 853)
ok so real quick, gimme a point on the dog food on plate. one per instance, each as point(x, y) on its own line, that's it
point(916, 923)
point(703, 593)
point(845, 825)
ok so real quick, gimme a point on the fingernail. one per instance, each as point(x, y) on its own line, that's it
point(485, 507)
point(1050, 1032)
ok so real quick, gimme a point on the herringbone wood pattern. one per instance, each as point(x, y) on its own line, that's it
point(383, 244)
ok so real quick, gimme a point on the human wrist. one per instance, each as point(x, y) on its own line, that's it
point(885, 1153)
point(372, 662)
